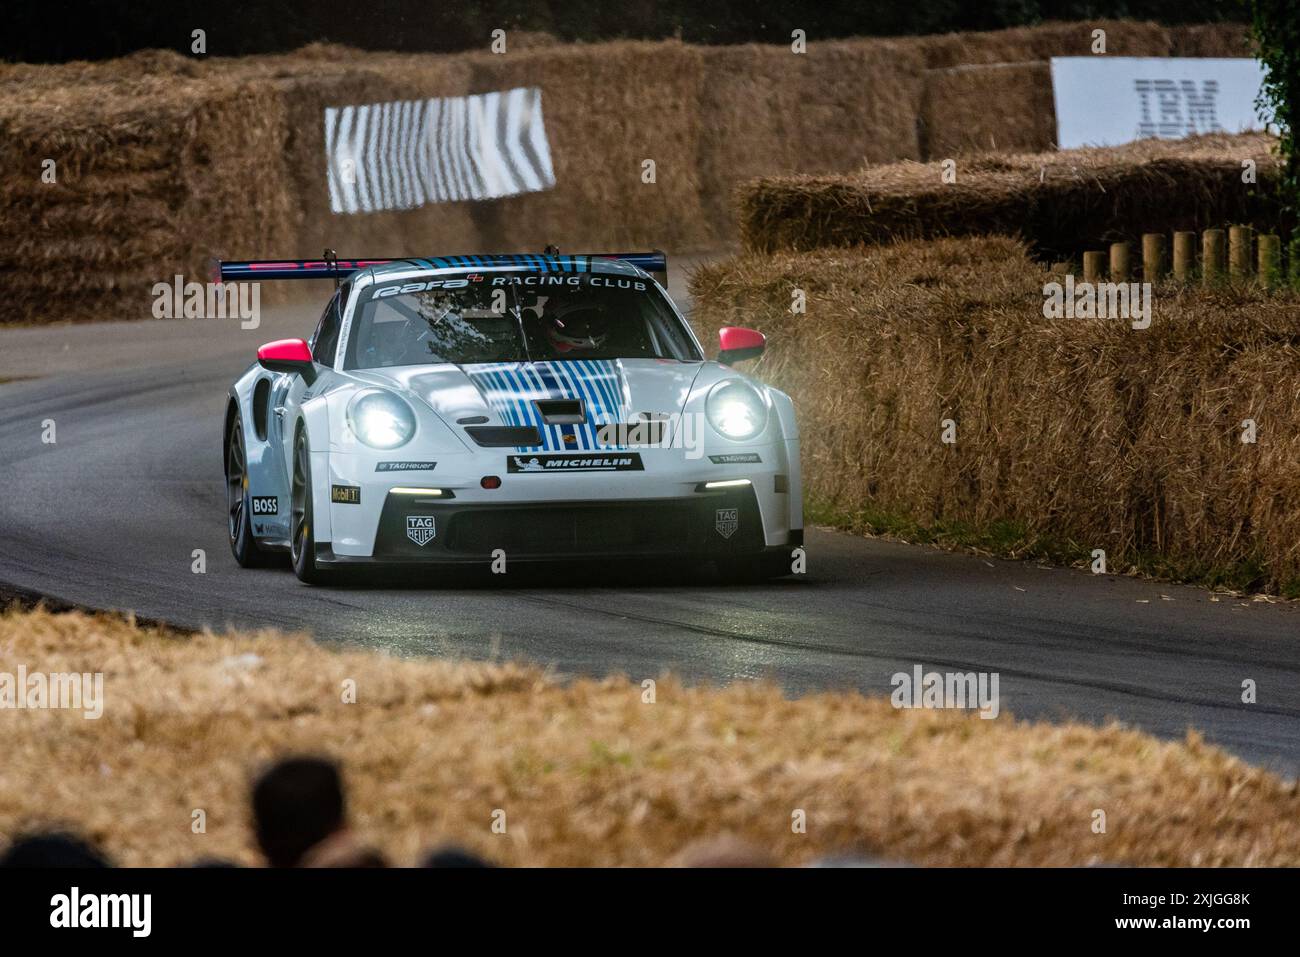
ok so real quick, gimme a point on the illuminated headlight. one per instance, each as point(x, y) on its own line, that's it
point(736, 410)
point(381, 420)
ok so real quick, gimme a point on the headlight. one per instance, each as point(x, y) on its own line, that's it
point(736, 410)
point(381, 420)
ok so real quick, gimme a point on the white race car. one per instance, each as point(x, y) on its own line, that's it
point(506, 408)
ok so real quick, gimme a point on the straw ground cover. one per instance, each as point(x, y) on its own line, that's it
point(1071, 434)
point(587, 772)
point(1061, 202)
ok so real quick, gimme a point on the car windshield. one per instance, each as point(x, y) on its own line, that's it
point(514, 317)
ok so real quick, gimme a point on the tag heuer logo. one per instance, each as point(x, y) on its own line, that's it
point(727, 522)
point(404, 466)
point(420, 529)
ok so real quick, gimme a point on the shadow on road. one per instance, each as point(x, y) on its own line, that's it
point(549, 575)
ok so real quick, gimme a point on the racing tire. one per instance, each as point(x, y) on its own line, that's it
point(302, 533)
point(239, 525)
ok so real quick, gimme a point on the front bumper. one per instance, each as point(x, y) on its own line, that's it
point(714, 524)
point(661, 511)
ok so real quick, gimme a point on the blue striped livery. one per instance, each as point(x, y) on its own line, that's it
point(513, 388)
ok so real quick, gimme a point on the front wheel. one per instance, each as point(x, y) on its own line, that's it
point(302, 533)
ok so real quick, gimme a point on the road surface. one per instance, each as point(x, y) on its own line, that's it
point(109, 516)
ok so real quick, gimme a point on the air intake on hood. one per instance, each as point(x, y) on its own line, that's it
point(561, 411)
point(504, 436)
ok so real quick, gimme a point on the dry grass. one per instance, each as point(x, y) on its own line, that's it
point(1060, 202)
point(586, 773)
point(1079, 433)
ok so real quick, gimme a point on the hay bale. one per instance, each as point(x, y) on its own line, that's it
point(998, 107)
point(1059, 202)
point(1042, 42)
point(767, 110)
point(1081, 433)
point(1211, 40)
point(608, 107)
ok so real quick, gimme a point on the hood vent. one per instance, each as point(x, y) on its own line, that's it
point(561, 411)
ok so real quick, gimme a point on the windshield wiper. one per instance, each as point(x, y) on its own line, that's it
point(519, 321)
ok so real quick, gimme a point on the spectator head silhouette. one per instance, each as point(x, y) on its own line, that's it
point(51, 849)
point(297, 803)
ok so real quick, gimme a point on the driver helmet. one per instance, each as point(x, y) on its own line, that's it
point(576, 327)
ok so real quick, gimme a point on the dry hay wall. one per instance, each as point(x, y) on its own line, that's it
point(1085, 433)
point(1018, 44)
point(159, 163)
point(164, 160)
point(988, 108)
point(764, 110)
point(1059, 202)
point(606, 108)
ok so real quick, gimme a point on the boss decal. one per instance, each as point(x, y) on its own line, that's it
point(735, 458)
point(345, 494)
point(266, 505)
point(420, 529)
point(625, 462)
point(405, 466)
point(727, 521)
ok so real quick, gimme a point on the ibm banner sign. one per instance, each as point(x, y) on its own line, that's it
point(1106, 101)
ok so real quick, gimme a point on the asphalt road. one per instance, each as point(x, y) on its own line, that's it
point(110, 514)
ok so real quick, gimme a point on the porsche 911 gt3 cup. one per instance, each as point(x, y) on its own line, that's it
point(506, 408)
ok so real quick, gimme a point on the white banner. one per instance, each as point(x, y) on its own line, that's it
point(402, 155)
point(1106, 100)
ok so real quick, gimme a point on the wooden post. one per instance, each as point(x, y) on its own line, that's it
point(1153, 257)
point(1212, 256)
point(1094, 266)
point(1270, 261)
point(1239, 243)
point(1184, 256)
point(1119, 262)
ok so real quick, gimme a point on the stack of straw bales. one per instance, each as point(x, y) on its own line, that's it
point(164, 160)
point(1060, 202)
point(1085, 432)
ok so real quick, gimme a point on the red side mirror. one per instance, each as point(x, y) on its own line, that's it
point(738, 343)
point(288, 355)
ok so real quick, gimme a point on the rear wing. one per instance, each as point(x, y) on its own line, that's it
point(330, 267)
